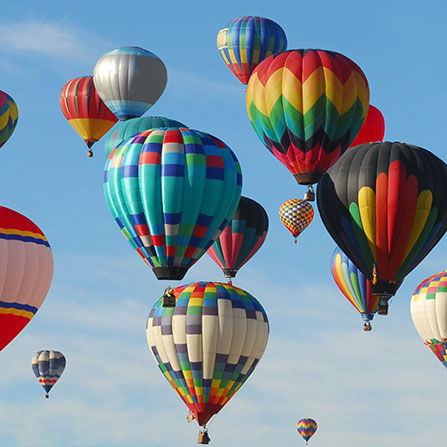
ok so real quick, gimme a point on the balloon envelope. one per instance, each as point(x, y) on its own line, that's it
point(385, 205)
point(209, 344)
point(307, 106)
point(48, 366)
point(131, 127)
point(172, 192)
point(26, 271)
point(373, 128)
point(242, 238)
point(306, 428)
point(429, 313)
point(353, 284)
point(9, 115)
point(85, 110)
point(246, 41)
point(130, 80)
point(296, 215)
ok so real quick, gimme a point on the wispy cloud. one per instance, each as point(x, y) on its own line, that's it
point(53, 40)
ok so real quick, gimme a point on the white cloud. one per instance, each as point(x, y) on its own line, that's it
point(53, 40)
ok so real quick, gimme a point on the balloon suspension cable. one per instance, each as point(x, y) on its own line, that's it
point(168, 298)
point(310, 194)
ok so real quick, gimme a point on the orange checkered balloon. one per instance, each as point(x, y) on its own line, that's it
point(296, 215)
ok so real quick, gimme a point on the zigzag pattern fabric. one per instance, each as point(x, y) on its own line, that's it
point(246, 41)
point(9, 114)
point(85, 110)
point(208, 344)
point(26, 272)
point(172, 192)
point(296, 215)
point(307, 106)
point(306, 428)
point(48, 367)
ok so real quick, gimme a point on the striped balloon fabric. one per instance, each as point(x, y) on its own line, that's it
point(307, 106)
point(354, 286)
point(242, 238)
point(9, 115)
point(129, 128)
point(296, 215)
point(209, 344)
point(26, 271)
point(246, 41)
point(130, 80)
point(85, 110)
point(429, 313)
point(306, 428)
point(172, 192)
point(48, 366)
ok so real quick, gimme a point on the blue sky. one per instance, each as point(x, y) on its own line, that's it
point(380, 388)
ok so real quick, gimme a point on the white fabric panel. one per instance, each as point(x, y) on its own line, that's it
point(210, 332)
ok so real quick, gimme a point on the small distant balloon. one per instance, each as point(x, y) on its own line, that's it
point(9, 115)
point(130, 80)
point(306, 428)
point(296, 215)
point(48, 366)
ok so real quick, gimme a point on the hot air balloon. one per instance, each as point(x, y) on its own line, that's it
point(307, 106)
point(385, 205)
point(208, 345)
point(129, 128)
point(296, 215)
point(130, 80)
point(373, 128)
point(246, 41)
point(9, 115)
point(26, 270)
point(242, 238)
point(354, 286)
point(172, 192)
point(85, 110)
point(429, 313)
point(306, 428)
point(48, 366)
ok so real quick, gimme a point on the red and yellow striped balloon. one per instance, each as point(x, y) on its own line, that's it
point(85, 110)
point(307, 106)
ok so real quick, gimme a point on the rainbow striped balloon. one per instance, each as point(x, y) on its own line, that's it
point(26, 270)
point(9, 115)
point(246, 41)
point(307, 106)
point(306, 428)
point(208, 344)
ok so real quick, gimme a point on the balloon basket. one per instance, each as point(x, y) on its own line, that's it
point(310, 194)
point(90, 154)
point(203, 438)
point(367, 326)
point(168, 298)
point(46, 396)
